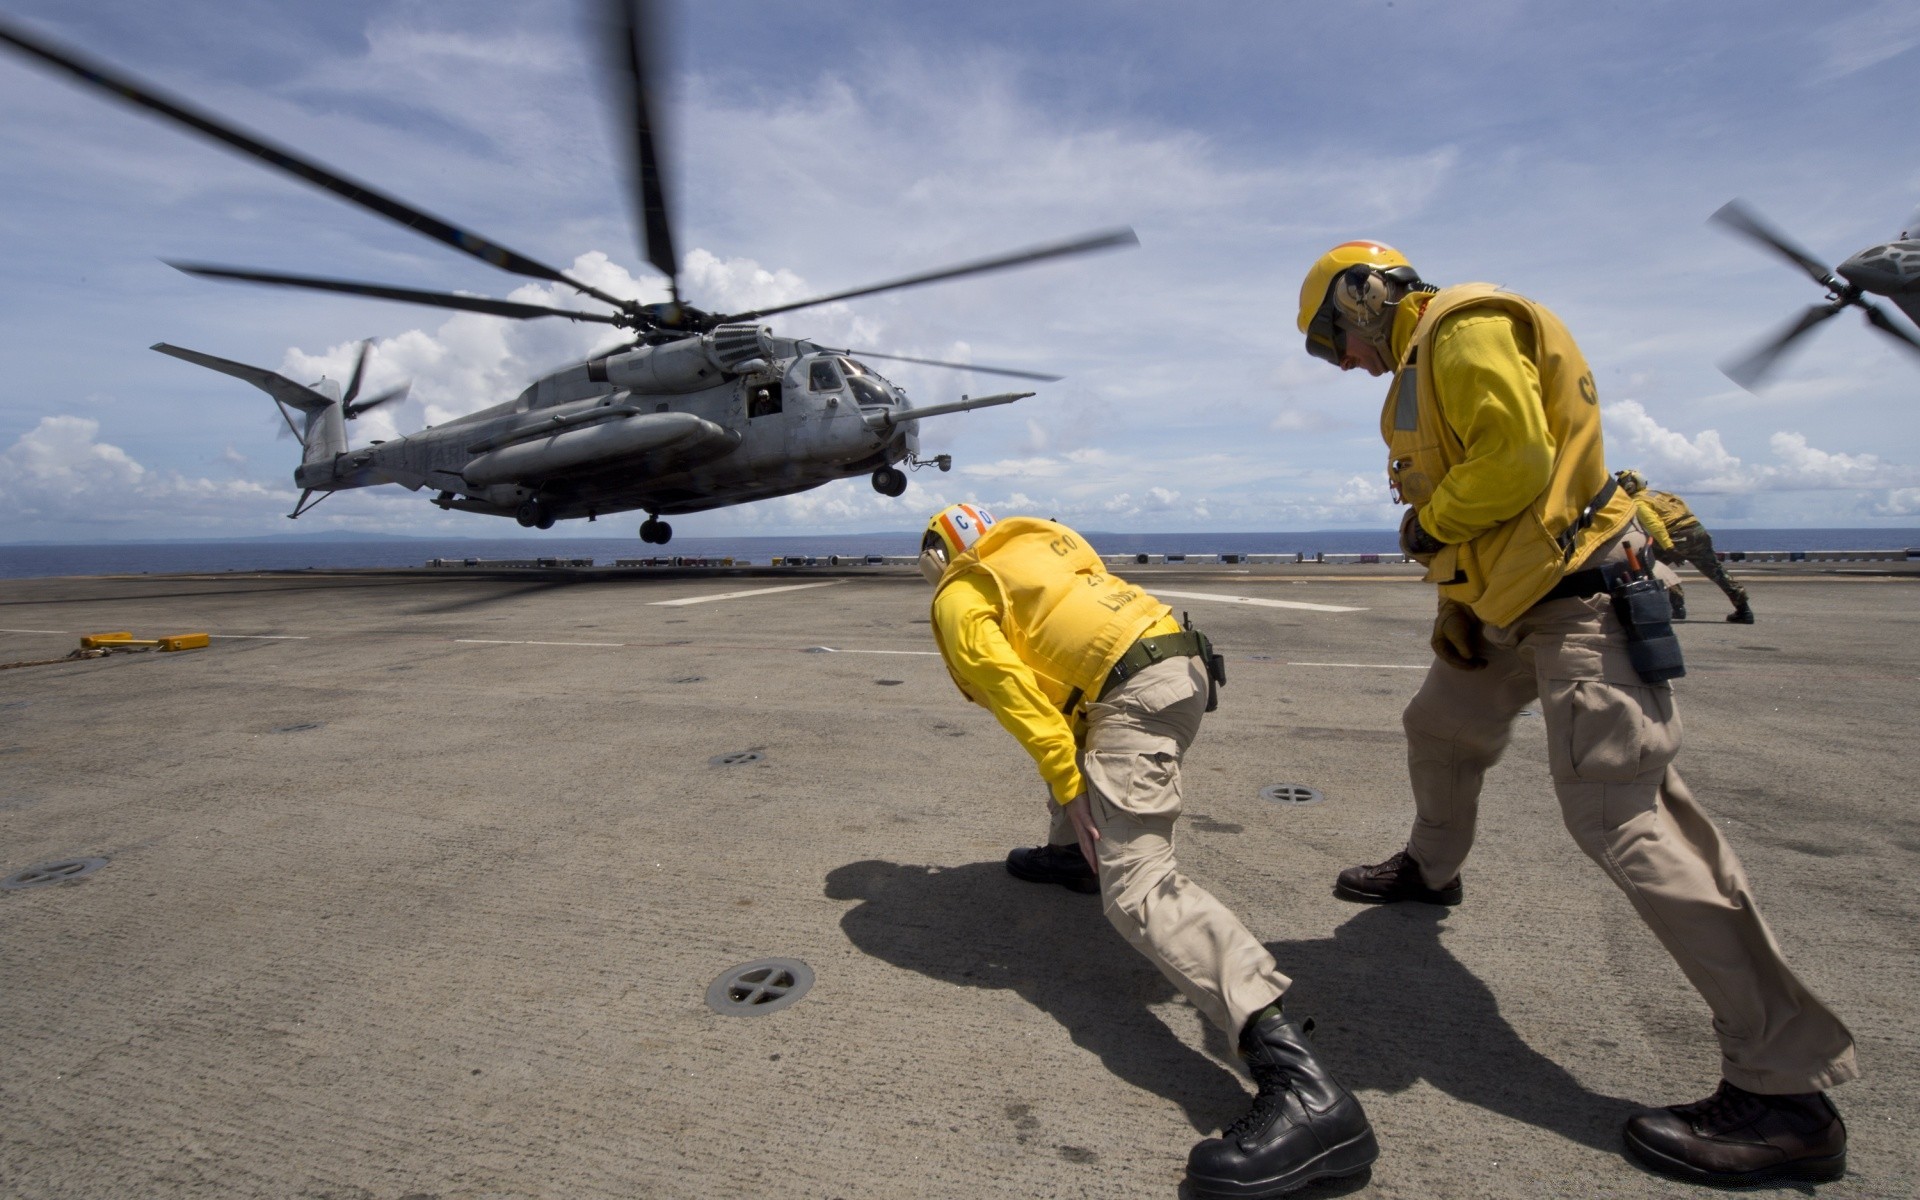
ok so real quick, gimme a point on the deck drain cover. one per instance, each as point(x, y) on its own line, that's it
point(766, 986)
point(1297, 794)
point(736, 759)
point(48, 874)
point(300, 728)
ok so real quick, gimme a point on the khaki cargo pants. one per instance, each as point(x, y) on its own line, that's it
point(1611, 742)
point(1135, 737)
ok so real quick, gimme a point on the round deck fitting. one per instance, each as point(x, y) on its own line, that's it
point(736, 759)
point(756, 988)
point(1298, 795)
point(49, 874)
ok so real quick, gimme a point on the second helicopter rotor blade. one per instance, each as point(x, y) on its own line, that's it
point(1750, 368)
point(635, 28)
point(957, 366)
point(387, 397)
point(1100, 241)
point(153, 99)
point(1735, 215)
point(1878, 318)
point(359, 370)
point(479, 304)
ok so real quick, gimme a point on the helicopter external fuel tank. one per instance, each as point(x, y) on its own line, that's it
point(542, 454)
point(686, 365)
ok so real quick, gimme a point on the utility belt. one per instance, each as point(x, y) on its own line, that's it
point(1188, 643)
point(1644, 608)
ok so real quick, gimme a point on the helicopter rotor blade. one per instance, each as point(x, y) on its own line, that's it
point(153, 99)
point(636, 33)
point(1735, 215)
point(1878, 318)
point(1086, 245)
point(479, 304)
point(1750, 368)
point(350, 411)
point(359, 370)
point(957, 366)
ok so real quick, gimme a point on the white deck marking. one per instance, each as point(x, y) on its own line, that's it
point(837, 650)
point(55, 632)
point(504, 642)
point(788, 587)
point(1261, 601)
point(1373, 666)
point(264, 637)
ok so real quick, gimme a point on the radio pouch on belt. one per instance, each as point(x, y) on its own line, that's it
point(1646, 612)
point(1216, 663)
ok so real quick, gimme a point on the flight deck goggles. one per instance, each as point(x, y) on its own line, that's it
point(1326, 340)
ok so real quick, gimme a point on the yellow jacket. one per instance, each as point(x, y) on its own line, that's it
point(1650, 517)
point(1493, 434)
point(1671, 509)
point(1027, 618)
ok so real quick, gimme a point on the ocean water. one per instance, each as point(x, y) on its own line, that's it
point(133, 558)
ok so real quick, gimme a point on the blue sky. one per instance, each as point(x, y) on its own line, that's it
point(1572, 152)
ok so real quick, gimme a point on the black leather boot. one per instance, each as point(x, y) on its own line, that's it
point(1064, 865)
point(1743, 615)
point(1736, 1137)
point(1303, 1126)
point(1392, 881)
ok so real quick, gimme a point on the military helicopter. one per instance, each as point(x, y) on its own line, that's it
point(1891, 269)
point(698, 410)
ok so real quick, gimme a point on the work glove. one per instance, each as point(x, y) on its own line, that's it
point(1415, 542)
point(1456, 636)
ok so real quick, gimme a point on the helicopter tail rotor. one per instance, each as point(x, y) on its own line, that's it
point(1751, 368)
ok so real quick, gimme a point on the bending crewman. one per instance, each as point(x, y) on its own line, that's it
point(1678, 536)
point(1105, 690)
point(1493, 431)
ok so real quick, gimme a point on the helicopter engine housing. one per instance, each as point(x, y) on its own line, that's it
point(688, 365)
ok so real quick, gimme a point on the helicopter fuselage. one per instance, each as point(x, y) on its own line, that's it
point(681, 427)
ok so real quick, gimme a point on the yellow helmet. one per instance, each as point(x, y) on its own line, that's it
point(1631, 482)
point(952, 531)
point(1317, 294)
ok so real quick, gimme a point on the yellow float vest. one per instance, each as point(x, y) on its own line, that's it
point(1504, 572)
point(1673, 511)
point(1066, 618)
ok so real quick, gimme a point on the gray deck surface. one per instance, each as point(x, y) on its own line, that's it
point(455, 940)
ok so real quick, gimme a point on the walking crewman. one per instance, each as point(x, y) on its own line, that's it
point(1493, 430)
point(1678, 536)
point(1105, 691)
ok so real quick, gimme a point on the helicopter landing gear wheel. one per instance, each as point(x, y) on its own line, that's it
point(534, 514)
point(890, 481)
point(655, 532)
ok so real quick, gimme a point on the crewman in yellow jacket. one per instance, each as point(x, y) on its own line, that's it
point(1105, 690)
point(1678, 536)
point(1492, 424)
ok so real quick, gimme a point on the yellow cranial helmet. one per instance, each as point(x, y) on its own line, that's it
point(957, 527)
point(1350, 281)
point(1631, 482)
point(951, 533)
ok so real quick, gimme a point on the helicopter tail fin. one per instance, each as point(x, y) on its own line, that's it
point(321, 427)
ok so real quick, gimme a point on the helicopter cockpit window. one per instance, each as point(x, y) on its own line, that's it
point(868, 392)
point(763, 399)
point(852, 368)
point(824, 376)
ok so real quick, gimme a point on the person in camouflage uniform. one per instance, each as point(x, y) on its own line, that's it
point(1678, 536)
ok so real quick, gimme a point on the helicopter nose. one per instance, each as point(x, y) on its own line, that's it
point(1887, 269)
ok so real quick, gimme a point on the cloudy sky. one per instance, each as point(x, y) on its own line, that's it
point(1571, 152)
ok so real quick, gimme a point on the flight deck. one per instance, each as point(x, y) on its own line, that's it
point(419, 883)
